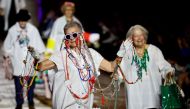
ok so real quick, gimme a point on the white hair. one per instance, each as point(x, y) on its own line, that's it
point(139, 27)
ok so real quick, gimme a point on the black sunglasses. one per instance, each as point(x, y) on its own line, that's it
point(72, 36)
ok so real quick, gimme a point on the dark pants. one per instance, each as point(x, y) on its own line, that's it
point(19, 91)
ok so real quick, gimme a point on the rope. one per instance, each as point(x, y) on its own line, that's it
point(116, 94)
point(99, 89)
point(116, 88)
point(26, 78)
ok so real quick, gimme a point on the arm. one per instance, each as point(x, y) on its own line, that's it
point(54, 31)
point(126, 45)
point(118, 59)
point(107, 66)
point(165, 68)
point(8, 45)
point(52, 40)
point(101, 63)
point(45, 65)
point(39, 44)
point(110, 67)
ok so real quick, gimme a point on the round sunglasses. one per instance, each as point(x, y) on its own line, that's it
point(72, 35)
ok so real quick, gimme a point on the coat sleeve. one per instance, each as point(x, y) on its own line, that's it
point(54, 30)
point(57, 59)
point(121, 51)
point(97, 59)
point(164, 66)
point(39, 44)
point(53, 36)
point(8, 45)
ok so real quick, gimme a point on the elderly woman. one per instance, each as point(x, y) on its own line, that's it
point(143, 67)
point(76, 67)
point(57, 33)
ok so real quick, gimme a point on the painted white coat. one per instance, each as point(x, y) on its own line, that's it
point(18, 53)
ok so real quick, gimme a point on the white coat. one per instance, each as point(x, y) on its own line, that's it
point(17, 51)
point(62, 97)
point(6, 6)
point(146, 93)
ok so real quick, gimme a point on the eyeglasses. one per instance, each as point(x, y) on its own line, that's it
point(72, 36)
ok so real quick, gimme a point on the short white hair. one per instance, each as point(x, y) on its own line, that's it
point(139, 27)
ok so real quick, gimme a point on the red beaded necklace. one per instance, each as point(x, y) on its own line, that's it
point(91, 81)
point(124, 78)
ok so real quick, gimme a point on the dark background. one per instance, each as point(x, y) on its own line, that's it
point(166, 19)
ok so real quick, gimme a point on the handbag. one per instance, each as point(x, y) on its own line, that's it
point(171, 95)
point(8, 69)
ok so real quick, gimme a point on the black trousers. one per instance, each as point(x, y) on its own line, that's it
point(19, 91)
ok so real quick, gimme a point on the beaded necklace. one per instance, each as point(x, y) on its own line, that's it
point(24, 78)
point(141, 63)
point(87, 67)
point(90, 79)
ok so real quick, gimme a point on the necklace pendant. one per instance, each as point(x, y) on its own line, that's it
point(87, 66)
point(85, 73)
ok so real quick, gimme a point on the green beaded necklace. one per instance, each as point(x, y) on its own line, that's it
point(141, 63)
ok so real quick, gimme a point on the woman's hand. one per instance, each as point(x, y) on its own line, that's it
point(45, 65)
point(169, 75)
point(128, 43)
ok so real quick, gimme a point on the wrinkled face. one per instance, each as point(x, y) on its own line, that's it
point(74, 33)
point(138, 38)
point(69, 11)
point(22, 24)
